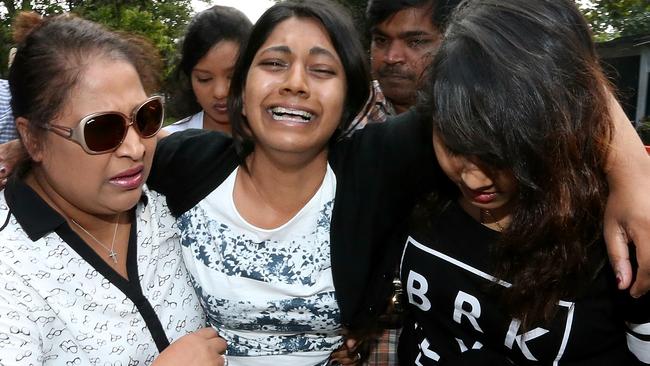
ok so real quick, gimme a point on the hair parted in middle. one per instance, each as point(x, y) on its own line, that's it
point(346, 41)
point(206, 29)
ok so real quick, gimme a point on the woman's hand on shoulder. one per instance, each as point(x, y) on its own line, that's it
point(11, 153)
point(627, 215)
point(627, 222)
point(203, 347)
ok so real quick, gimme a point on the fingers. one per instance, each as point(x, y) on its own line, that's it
point(218, 345)
point(346, 354)
point(207, 333)
point(642, 282)
point(346, 359)
point(339, 354)
point(619, 257)
point(215, 343)
point(641, 239)
point(4, 173)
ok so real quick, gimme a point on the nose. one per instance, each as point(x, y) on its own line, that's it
point(474, 177)
point(296, 82)
point(220, 89)
point(395, 53)
point(132, 147)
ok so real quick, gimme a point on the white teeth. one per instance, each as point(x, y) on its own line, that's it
point(288, 114)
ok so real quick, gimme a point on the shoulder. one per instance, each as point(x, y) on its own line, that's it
point(153, 207)
point(188, 165)
point(193, 121)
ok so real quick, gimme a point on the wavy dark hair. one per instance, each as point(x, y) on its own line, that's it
point(378, 11)
point(205, 30)
point(345, 39)
point(518, 85)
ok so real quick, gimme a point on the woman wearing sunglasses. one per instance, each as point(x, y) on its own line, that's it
point(90, 260)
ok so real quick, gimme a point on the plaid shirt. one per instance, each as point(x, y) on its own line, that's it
point(385, 354)
point(7, 124)
point(377, 109)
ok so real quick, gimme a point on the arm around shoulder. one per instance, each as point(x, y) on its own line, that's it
point(627, 215)
point(183, 162)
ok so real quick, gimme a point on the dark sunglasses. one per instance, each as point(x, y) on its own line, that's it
point(103, 132)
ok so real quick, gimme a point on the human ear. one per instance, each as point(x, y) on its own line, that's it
point(30, 142)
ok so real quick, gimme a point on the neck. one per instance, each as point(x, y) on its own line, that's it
point(285, 184)
point(213, 125)
point(93, 222)
point(496, 219)
point(272, 191)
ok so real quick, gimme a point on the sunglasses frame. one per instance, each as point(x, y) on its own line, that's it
point(76, 134)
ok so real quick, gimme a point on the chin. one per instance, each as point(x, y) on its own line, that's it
point(127, 200)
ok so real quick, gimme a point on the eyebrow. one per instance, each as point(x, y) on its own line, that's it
point(315, 51)
point(281, 49)
point(198, 69)
point(407, 34)
point(312, 51)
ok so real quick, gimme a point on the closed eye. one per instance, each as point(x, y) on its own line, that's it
point(323, 71)
point(273, 64)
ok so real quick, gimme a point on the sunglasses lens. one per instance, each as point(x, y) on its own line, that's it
point(104, 132)
point(149, 118)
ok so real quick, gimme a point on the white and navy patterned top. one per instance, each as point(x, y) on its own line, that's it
point(60, 304)
point(269, 293)
point(7, 124)
point(193, 121)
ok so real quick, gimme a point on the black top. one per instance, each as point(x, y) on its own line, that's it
point(455, 317)
point(381, 171)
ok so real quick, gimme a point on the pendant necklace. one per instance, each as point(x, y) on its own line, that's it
point(486, 214)
point(111, 250)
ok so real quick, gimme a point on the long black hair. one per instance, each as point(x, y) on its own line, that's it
point(345, 39)
point(205, 30)
point(517, 85)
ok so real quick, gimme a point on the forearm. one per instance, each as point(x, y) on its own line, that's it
point(627, 216)
point(627, 160)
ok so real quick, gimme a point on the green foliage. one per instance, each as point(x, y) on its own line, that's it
point(161, 21)
point(614, 18)
point(608, 18)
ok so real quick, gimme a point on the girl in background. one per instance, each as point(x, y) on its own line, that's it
point(210, 48)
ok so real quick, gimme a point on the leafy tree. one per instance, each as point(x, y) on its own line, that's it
point(162, 21)
point(608, 18)
point(614, 18)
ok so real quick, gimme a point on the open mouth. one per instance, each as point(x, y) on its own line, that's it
point(291, 115)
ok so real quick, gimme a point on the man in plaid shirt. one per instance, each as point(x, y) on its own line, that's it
point(405, 34)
